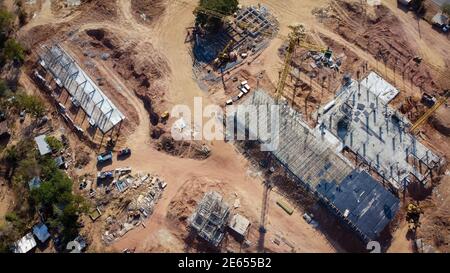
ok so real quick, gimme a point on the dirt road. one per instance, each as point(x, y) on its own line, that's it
point(225, 165)
point(167, 35)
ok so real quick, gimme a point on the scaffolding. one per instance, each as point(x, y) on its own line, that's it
point(377, 134)
point(210, 218)
point(256, 21)
point(299, 149)
point(311, 160)
point(66, 73)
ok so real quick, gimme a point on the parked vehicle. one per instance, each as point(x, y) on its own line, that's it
point(310, 220)
point(105, 175)
point(124, 152)
point(104, 157)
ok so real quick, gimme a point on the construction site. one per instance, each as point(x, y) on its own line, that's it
point(362, 128)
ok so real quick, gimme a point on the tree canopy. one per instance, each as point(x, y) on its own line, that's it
point(446, 9)
point(54, 196)
point(32, 104)
point(60, 204)
point(225, 7)
point(6, 20)
point(54, 143)
point(14, 51)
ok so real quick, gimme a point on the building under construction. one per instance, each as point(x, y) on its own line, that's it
point(314, 161)
point(83, 91)
point(210, 218)
point(363, 122)
point(247, 33)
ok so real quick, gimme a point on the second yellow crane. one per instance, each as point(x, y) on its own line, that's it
point(430, 111)
point(295, 38)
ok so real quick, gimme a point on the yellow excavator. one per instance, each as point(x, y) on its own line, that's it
point(413, 212)
point(224, 55)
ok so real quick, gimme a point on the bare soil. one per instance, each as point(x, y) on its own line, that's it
point(150, 66)
point(146, 11)
point(378, 31)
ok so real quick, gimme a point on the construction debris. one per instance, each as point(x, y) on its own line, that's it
point(239, 224)
point(145, 191)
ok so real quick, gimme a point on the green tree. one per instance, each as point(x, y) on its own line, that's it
point(224, 7)
point(13, 51)
point(68, 219)
point(53, 191)
point(15, 220)
point(6, 21)
point(56, 197)
point(54, 143)
point(15, 153)
point(8, 235)
point(446, 9)
point(27, 169)
point(4, 90)
point(32, 104)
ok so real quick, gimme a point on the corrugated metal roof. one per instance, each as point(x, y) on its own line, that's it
point(370, 206)
point(25, 244)
point(81, 87)
point(43, 146)
point(366, 204)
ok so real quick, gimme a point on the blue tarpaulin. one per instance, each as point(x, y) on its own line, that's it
point(34, 183)
point(41, 232)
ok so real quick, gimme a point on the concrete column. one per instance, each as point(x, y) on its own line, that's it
point(351, 139)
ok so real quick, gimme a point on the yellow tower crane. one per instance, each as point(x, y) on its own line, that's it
point(295, 38)
point(430, 111)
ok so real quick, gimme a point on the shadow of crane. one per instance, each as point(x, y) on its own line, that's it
point(264, 210)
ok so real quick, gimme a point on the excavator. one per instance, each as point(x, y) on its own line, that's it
point(224, 56)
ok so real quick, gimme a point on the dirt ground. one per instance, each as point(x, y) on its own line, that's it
point(6, 201)
point(147, 11)
point(225, 166)
point(150, 66)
